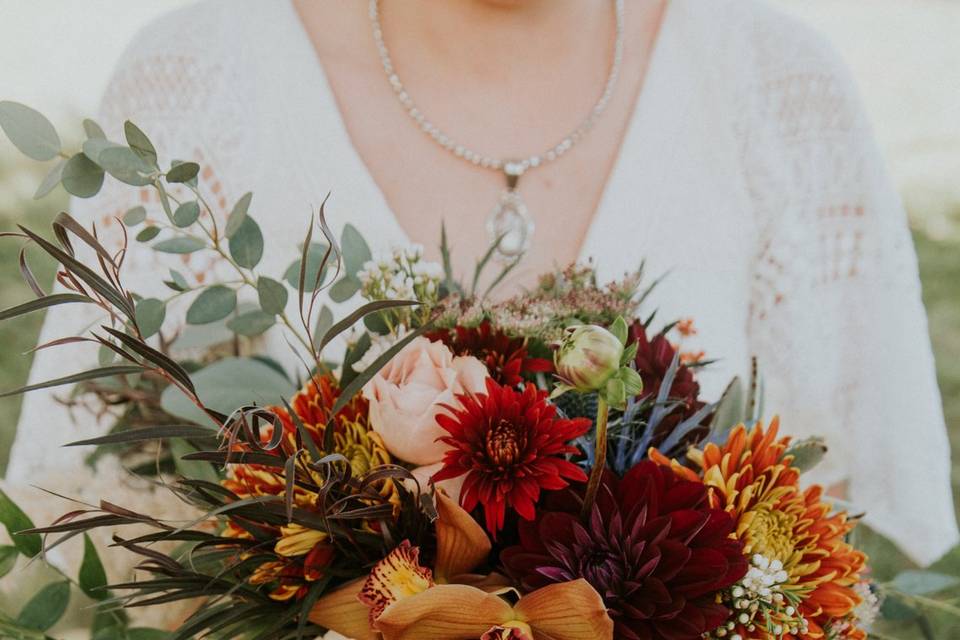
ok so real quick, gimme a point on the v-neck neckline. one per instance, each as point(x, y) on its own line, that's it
point(359, 170)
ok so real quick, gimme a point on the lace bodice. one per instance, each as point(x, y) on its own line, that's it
point(749, 173)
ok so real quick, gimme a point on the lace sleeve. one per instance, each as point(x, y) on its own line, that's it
point(836, 317)
point(173, 84)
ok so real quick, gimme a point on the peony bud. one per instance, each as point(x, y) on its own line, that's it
point(587, 357)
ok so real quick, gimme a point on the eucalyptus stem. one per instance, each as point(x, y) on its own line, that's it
point(599, 458)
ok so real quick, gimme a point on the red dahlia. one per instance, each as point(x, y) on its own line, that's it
point(653, 549)
point(510, 444)
point(506, 357)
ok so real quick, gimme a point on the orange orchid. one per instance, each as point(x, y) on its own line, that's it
point(402, 600)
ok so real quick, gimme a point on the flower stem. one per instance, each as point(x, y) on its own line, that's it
point(599, 458)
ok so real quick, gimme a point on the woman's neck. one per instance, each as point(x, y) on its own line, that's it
point(500, 34)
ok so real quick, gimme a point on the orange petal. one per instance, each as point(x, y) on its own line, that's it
point(566, 611)
point(462, 544)
point(342, 612)
point(445, 612)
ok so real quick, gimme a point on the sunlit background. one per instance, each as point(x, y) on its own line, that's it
point(57, 55)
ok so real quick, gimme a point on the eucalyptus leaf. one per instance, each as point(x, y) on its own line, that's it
point(150, 313)
point(93, 130)
point(246, 245)
point(92, 577)
point(178, 278)
point(46, 607)
point(81, 176)
point(186, 214)
point(8, 559)
point(14, 520)
point(124, 165)
point(140, 143)
point(51, 180)
point(134, 216)
point(29, 131)
point(238, 215)
point(315, 256)
point(273, 295)
point(251, 323)
point(193, 469)
point(918, 583)
point(147, 234)
point(214, 303)
point(324, 321)
point(144, 633)
point(344, 289)
point(180, 245)
point(183, 172)
point(355, 250)
point(227, 385)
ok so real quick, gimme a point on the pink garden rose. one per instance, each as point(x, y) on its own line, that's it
point(405, 397)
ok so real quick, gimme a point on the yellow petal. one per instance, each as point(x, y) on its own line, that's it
point(297, 540)
point(462, 544)
point(566, 611)
point(342, 612)
point(445, 612)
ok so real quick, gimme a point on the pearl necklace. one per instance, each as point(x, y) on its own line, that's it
point(509, 224)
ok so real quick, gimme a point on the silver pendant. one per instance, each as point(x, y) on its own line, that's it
point(510, 225)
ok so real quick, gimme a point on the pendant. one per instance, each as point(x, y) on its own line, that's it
point(510, 221)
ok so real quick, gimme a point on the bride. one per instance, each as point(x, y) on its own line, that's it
point(717, 139)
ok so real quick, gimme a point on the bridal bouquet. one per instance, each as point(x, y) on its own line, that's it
point(535, 468)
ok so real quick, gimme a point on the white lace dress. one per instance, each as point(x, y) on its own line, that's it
point(749, 172)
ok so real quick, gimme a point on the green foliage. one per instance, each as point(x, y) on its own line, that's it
point(214, 303)
point(8, 558)
point(147, 234)
point(51, 180)
point(82, 177)
point(238, 215)
point(316, 268)
point(134, 216)
point(183, 172)
point(150, 315)
point(179, 244)
point(92, 577)
point(251, 323)
point(273, 295)
point(15, 520)
point(46, 607)
point(29, 131)
point(186, 214)
point(246, 245)
point(227, 385)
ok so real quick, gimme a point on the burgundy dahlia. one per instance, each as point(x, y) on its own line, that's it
point(506, 356)
point(653, 549)
point(511, 445)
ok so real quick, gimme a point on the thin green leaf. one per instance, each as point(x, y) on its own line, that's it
point(358, 314)
point(29, 131)
point(158, 358)
point(14, 520)
point(92, 374)
point(42, 303)
point(92, 577)
point(146, 434)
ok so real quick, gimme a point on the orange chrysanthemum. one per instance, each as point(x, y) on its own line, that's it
point(301, 554)
point(789, 531)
